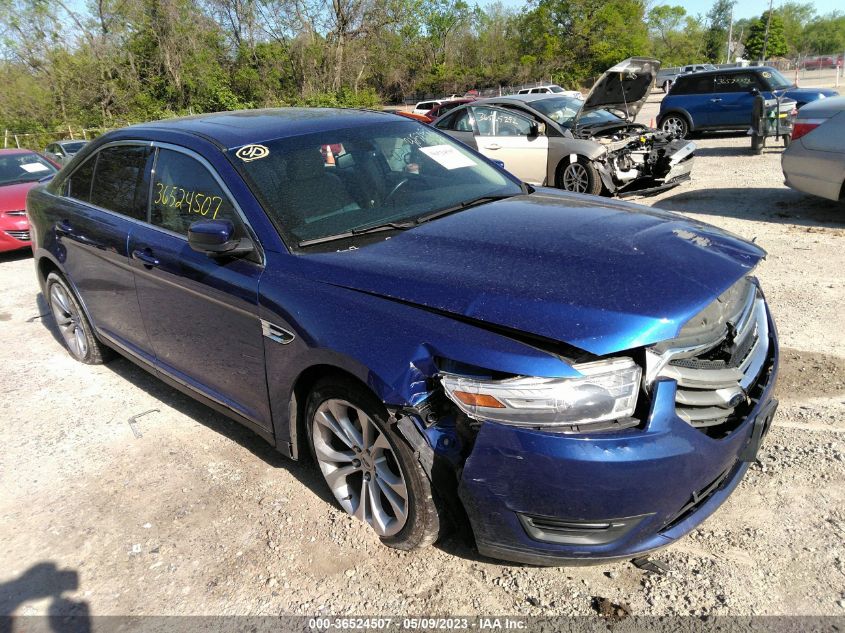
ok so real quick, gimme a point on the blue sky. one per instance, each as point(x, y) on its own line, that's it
point(742, 9)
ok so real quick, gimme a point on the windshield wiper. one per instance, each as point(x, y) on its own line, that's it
point(462, 206)
point(376, 228)
point(401, 226)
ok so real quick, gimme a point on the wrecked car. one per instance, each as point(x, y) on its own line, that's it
point(575, 379)
point(592, 146)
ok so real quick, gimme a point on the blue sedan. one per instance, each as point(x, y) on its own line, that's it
point(575, 378)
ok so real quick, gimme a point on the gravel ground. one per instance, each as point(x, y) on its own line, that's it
point(198, 516)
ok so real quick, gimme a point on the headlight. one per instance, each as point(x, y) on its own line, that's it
point(606, 390)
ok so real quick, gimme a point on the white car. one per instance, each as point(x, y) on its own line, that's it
point(551, 89)
point(814, 162)
point(424, 106)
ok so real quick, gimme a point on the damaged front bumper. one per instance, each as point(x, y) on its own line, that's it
point(548, 498)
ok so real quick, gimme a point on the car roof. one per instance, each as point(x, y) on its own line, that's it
point(67, 141)
point(242, 127)
point(524, 98)
point(731, 71)
point(13, 151)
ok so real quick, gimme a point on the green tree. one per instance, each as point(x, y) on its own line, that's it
point(718, 24)
point(759, 45)
point(677, 38)
point(825, 35)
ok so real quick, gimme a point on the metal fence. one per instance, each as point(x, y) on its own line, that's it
point(40, 140)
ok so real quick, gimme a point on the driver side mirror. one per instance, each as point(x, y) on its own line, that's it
point(216, 238)
point(538, 129)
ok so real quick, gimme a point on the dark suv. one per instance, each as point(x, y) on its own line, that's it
point(722, 99)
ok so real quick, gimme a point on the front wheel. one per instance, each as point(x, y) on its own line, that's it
point(676, 125)
point(579, 177)
point(369, 467)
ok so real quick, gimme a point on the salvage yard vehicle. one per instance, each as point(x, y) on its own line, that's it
point(584, 146)
point(550, 89)
point(62, 151)
point(667, 77)
point(814, 162)
point(722, 100)
point(20, 171)
point(579, 379)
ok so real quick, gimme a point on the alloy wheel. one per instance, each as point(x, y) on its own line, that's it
point(675, 125)
point(69, 321)
point(360, 466)
point(576, 178)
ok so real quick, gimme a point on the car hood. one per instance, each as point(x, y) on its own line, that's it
point(600, 276)
point(813, 92)
point(13, 197)
point(624, 88)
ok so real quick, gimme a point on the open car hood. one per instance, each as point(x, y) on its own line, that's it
point(624, 88)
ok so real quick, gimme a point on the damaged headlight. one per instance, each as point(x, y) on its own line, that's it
point(606, 390)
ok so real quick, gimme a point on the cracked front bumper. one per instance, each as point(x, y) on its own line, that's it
point(652, 485)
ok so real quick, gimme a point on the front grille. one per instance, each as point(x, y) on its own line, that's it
point(715, 386)
point(23, 236)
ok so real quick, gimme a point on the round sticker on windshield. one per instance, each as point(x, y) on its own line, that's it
point(249, 153)
point(766, 74)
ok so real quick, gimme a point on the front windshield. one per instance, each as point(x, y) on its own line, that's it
point(334, 182)
point(29, 167)
point(562, 110)
point(73, 147)
point(776, 80)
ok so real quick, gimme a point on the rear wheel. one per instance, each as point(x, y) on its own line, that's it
point(579, 177)
point(76, 331)
point(667, 85)
point(676, 125)
point(369, 467)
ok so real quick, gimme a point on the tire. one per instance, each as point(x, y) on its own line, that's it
point(786, 138)
point(667, 86)
point(757, 143)
point(676, 124)
point(74, 327)
point(379, 462)
point(579, 177)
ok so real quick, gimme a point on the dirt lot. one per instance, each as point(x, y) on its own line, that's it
point(198, 516)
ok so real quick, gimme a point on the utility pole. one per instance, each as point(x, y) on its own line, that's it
point(766, 36)
point(730, 35)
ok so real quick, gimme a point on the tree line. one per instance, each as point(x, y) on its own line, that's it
point(117, 61)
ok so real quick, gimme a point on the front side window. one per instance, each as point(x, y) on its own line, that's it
point(776, 80)
point(23, 167)
point(390, 173)
point(119, 180)
point(184, 191)
point(508, 124)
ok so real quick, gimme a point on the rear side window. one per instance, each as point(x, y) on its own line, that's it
point(693, 85)
point(119, 180)
point(79, 183)
point(736, 82)
point(185, 191)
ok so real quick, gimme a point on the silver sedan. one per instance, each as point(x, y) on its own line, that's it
point(814, 162)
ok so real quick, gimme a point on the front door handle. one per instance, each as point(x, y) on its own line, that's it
point(146, 257)
point(493, 146)
point(715, 100)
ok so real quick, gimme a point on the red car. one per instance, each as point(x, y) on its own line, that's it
point(20, 171)
point(442, 108)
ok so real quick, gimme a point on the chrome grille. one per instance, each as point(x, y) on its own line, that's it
point(23, 236)
point(715, 380)
point(17, 213)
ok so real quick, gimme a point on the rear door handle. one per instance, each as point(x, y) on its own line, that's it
point(493, 146)
point(63, 228)
point(146, 257)
point(715, 100)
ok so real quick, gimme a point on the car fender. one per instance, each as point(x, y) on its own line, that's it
point(676, 110)
point(389, 345)
point(562, 150)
